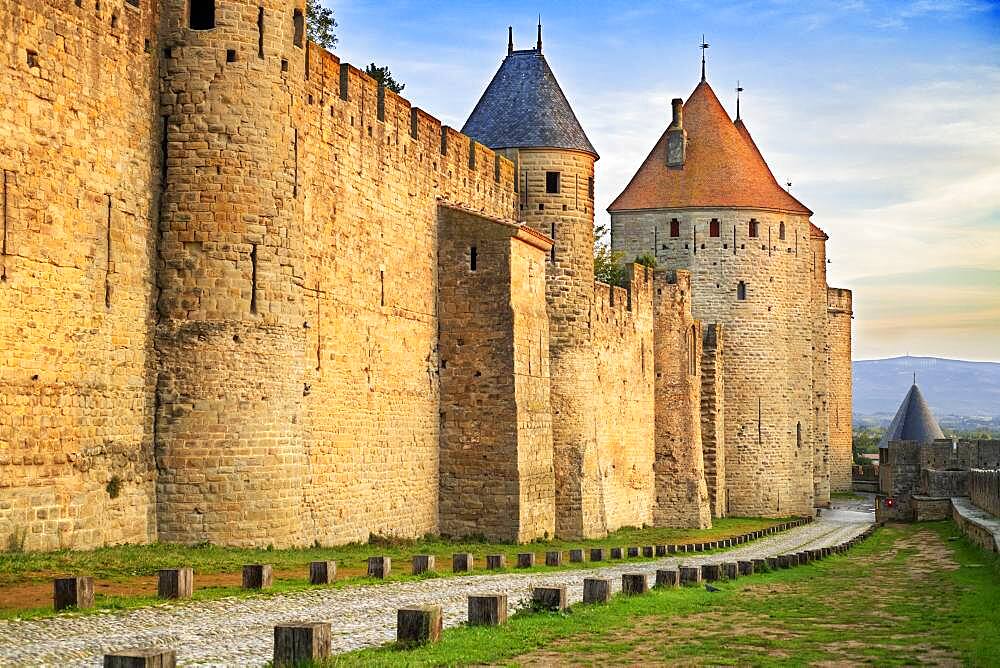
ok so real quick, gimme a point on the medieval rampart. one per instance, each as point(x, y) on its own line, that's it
point(839, 390)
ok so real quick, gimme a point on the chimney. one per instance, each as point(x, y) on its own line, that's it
point(676, 135)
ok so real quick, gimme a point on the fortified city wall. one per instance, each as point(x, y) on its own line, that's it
point(839, 314)
point(820, 424)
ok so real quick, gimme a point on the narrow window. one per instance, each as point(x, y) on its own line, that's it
point(714, 229)
point(798, 434)
point(230, 55)
point(3, 240)
point(381, 279)
point(741, 291)
point(552, 251)
point(754, 227)
point(299, 23)
point(201, 15)
point(473, 257)
point(260, 32)
point(675, 228)
point(781, 230)
point(693, 352)
point(107, 259)
point(552, 183)
point(590, 187)
point(295, 148)
point(134, 3)
point(164, 144)
point(253, 279)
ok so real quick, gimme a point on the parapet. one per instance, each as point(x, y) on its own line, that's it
point(635, 295)
point(839, 301)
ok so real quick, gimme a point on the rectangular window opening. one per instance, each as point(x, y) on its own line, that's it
point(260, 32)
point(552, 183)
point(253, 279)
point(473, 258)
point(201, 15)
point(675, 228)
point(714, 229)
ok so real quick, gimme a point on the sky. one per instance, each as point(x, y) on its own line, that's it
point(885, 116)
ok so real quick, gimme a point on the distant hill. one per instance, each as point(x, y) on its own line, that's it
point(953, 388)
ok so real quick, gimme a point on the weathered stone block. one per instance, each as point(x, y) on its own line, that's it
point(257, 576)
point(598, 554)
point(647, 551)
point(667, 578)
point(576, 556)
point(596, 590)
point(690, 574)
point(745, 568)
point(525, 559)
point(553, 558)
point(148, 657)
point(461, 562)
point(301, 642)
point(710, 572)
point(617, 553)
point(634, 584)
point(322, 572)
point(73, 593)
point(422, 563)
point(730, 570)
point(496, 561)
point(774, 563)
point(417, 625)
point(488, 610)
point(175, 582)
point(379, 567)
point(633, 552)
point(760, 565)
point(549, 598)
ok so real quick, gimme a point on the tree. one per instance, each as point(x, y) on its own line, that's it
point(320, 24)
point(383, 75)
point(608, 266)
point(646, 259)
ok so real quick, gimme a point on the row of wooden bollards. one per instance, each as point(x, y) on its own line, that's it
point(78, 592)
point(303, 642)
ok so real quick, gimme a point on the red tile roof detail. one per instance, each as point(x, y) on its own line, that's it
point(722, 168)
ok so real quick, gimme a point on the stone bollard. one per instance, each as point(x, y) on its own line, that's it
point(576, 556)
point(175, 583)
point(633, 553)
point(322, 572)
point(423, 563)
point(151, 657)
point(745, 568)
point(596, 590)
point(552, 599)
point(257, 576)
point(617, 553)
point(379, 567)
point(663, 550)
point(647, 551)
point(793, 560)
point(730, 570)
point(598, 554)
point(667, 578)
point(804, 557)
point(488, 610)
point(825, 551)
point(525, 559)
point(301, 642)
point(634, 584)
point(690, 575)
point(496, 561)
point(759, 565)
point(461, 562)
point(774, 563)
point(698, 547)
point(816, 554)
point(784, 561)
point(553, 558)
point(419, 624)
point(710, 572)
point(73, 592)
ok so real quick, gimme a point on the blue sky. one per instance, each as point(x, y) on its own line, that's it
point(884, 115)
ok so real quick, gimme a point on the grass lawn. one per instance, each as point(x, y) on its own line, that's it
point(910, 594)
point(125, 575)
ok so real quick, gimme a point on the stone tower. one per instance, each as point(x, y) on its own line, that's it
point(525, 115)
point(228, 429)
point(705, 201)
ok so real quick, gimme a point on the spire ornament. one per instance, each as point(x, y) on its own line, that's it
point(739, 89)
point(704, 45)
point(539, 47)
point(510, 40)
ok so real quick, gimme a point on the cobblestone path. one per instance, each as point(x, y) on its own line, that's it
point(238, 632)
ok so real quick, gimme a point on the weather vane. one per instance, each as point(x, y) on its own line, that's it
point(739, 89)
point(704, 45)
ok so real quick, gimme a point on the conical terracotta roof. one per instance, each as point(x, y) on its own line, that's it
point(722, 168)
point(913, 421)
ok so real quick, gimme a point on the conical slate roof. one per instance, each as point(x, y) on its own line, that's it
point(524, 107)
point(913, 421)
point(722, 168)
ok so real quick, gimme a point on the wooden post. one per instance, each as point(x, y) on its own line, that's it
point(549, 598)
point(418, 625)
point(617, 553)
point(730, 570)
point(633, 552)
point(257, 576)
point(667, 578)
point(461, 562)
point(647, 551)
point(634, 584)
point(690, 575)
point(553, 558)
point(774, 563)
point(488, 610)
point(143, 657)
point(73, 592)
point(710, 572)
point(496, 561)
point(525, 559)
point(596, 590)
point(423, 563)
point(322, 572)
point(379, 567)
point(301, 642)
point(759, 566)
point(175, 583)
point(598, 554)
point(745, 567)
point(576, 556)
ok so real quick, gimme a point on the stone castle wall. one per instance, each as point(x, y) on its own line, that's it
point(713, 420)
point(839, 386)
point(820, 425)
point(768, 343)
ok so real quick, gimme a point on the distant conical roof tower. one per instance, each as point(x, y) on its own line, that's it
point(913, 422)
point(524, 107)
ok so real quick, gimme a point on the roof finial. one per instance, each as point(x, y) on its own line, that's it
point(704, 45)
point(914, 377)
point(539, 47)
point(510, 40)
point(739, 89)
